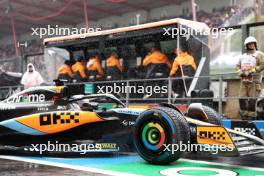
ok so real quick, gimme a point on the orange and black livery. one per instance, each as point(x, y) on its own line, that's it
point(66, 115)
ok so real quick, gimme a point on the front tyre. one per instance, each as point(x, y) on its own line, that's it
point(157, 128)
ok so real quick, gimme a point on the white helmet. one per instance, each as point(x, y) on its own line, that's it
point(250, 40)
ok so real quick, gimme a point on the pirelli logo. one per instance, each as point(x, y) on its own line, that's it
point(212, 135)
point(59, 118)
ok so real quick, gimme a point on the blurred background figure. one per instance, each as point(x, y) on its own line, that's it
point(65, 71)
point(157, 64)
point(183, 66)
point(31, 77)
point(78, 69)
point(114, 68)
point(249, 68)
point(94, 68)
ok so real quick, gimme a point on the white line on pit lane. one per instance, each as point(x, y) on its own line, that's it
point(222, 164)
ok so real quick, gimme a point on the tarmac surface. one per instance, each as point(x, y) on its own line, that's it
point(247, 161)
point(19, 168)
point(9, 167)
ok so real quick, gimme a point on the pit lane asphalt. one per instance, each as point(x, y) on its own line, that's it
point(18, 168)
point(247, 161)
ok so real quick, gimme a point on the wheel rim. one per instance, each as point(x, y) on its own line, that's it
point(153, 136)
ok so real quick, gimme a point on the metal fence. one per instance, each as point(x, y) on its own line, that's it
point(125, 90)
point(153, 91)
point(225, 87)
point(9, 90)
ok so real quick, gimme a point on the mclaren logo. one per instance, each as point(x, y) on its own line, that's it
point(59, 118)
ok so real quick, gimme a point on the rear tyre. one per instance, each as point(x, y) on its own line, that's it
point(156, 128)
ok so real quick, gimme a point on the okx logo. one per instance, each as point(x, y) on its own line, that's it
point(59, 118)
point(215, 135)
point(212, 135)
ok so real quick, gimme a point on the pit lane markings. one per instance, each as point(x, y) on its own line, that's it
point(222, 164)
point(177, 171)
point(68, 166)
point(115, 173)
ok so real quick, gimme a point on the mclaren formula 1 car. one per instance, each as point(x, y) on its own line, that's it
point(62, 119)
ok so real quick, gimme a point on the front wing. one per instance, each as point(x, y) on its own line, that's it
point(226, 142)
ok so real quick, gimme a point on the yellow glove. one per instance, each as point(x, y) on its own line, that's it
point(253, 70)
point(239, 72)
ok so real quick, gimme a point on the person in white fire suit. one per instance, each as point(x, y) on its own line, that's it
point(31, 77)
point(249, 68)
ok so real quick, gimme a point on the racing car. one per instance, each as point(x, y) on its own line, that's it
point(64, 114)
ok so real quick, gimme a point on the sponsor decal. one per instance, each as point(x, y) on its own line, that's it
point(7, 107)
point(43, 109)
point(127, 111)
point(212, 135)
point(61, 107)
point(128, 123)
point(250, 131)
point(107, 145)
point(54, 122)
point(59, 118)
point(215, 135)
point(246, 127)
point(27, 98)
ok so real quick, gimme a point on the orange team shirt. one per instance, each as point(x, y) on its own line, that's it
point(95, 65)
point(65, 70)
point(78, 67)
point(182, 59)
point(156, 57)
point(113, 62)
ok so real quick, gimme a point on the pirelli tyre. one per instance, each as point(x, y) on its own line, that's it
point(158, 132)
point(213, 116)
